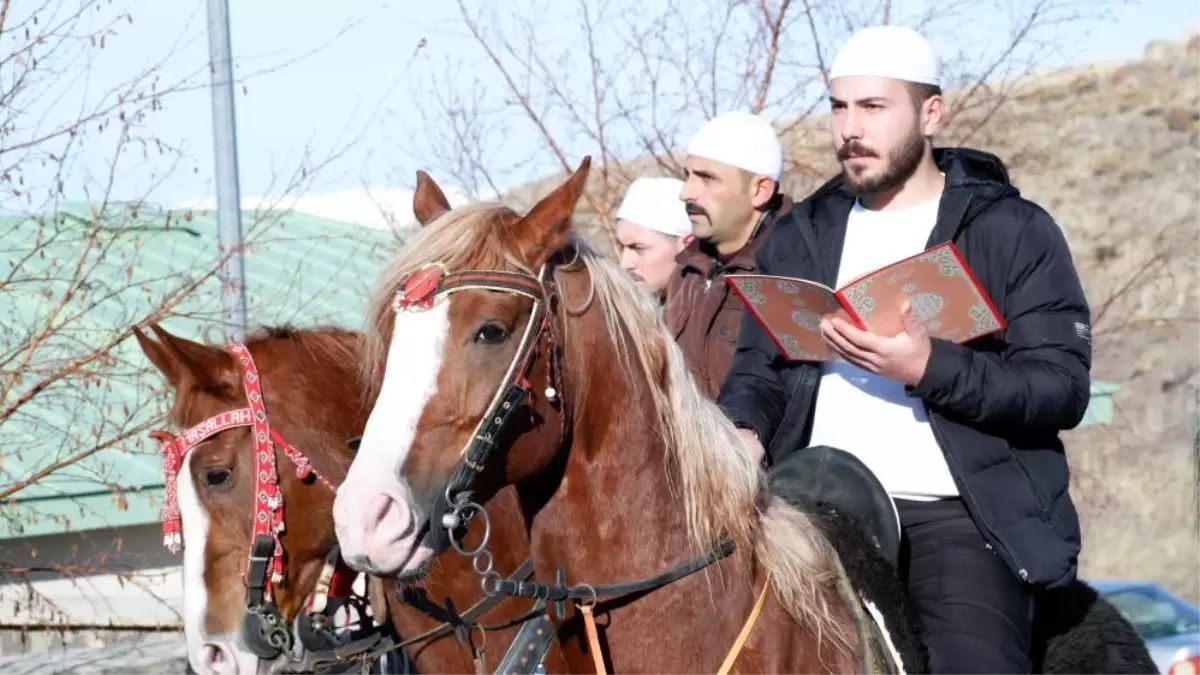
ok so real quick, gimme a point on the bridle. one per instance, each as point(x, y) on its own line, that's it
point(311, 643)
point(454, 504)
point(263, 629)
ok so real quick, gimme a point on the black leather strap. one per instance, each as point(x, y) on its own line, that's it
point(529, 646)
point(557, 592)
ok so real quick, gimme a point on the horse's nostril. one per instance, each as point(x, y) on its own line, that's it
point(378, 509)
point(218, 660)
point(389, 518)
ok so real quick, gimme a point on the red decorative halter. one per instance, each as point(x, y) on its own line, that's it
point(268, 502)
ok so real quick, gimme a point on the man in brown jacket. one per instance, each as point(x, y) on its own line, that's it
point(732, 198)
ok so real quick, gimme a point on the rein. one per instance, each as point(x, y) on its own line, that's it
point(460, 625)
point(560, 592)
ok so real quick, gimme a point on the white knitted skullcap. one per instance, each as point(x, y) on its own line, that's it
point(654, 204)
point(895, 52)
point(740, 139)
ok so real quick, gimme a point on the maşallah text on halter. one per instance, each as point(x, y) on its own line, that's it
point(939, 287)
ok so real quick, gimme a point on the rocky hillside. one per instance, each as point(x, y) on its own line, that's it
point(1114, 158)
point(1111, 151)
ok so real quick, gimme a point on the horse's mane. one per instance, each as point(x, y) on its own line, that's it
point(720, 484)
point(322, 344)
point(719, 481)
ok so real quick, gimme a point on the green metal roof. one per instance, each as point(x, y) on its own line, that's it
point(300, 269)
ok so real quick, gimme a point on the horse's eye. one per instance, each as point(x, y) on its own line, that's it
point(491, 334)
point(217, 477)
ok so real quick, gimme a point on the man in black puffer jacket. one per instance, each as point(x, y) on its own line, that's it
point(964, 437)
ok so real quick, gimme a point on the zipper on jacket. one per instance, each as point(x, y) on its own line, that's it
point(1022, 572)
point(708, 279)
point(717, 267)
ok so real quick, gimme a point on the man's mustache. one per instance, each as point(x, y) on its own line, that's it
point(694, 209)
point(854, 149)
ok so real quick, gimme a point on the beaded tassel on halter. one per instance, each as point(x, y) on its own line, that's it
point(172, 457)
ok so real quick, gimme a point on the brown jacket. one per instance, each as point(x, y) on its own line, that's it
point(702, 313)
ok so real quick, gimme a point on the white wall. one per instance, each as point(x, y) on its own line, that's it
point(121, 577)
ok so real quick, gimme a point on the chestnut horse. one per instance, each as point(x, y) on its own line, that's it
point(516, 355)
point(307, 381)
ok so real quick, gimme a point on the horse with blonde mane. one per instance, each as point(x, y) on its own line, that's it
point(277, 615)
point(515, 355)
point(503, 351)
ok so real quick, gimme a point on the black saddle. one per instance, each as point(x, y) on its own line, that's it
point(830, 479)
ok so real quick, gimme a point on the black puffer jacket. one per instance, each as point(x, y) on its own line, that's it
point(996, 404)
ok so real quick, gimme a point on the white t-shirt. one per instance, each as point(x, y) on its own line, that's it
point(868, 415)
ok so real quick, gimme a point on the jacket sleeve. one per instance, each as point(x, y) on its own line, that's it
point(752, 394)
point(1042, 378)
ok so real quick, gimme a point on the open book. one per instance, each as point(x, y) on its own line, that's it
point(942, 290)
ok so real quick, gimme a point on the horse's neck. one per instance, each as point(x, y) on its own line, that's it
point(614, 515)
point(617, 517)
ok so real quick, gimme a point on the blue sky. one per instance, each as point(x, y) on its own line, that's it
point(359, 83)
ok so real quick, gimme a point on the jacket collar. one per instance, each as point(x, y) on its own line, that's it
point(975, 176)
point(699, 256)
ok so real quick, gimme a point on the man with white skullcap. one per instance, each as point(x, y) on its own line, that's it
point(652, 228)
point(963, 437)
point(734, 163)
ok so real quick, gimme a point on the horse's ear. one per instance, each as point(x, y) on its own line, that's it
point(543, 230)
point(179, 359)
point(429, 201)
point(158, 355)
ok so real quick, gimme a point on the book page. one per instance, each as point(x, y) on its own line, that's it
point(941, 289)
point(790, 311)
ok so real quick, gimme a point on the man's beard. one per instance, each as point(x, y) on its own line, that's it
point(901, 163)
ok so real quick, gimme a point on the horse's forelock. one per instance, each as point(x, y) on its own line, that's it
point(299, 369)
point(472, 236)
point(304, 353)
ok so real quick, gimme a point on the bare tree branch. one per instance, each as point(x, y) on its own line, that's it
point(82, 263)
point(629, 83)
